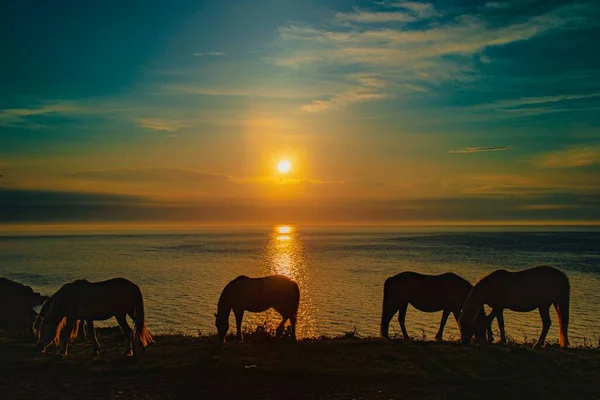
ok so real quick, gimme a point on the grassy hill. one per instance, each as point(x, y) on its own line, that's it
point(265, 368)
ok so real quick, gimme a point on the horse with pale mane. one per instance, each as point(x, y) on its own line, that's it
point(428, 293)
point(539, 287)
point(99, 301)
point(80, 326)
point(257, 295)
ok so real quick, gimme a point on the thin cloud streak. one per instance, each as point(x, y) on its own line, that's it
point(480, 149)
point(209, 53)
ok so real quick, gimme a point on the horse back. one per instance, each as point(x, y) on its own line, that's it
point(427, 292)
point(98, 300)
point(260, 294)
point(526, 289)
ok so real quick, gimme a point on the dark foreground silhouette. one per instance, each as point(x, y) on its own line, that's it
point(429, 293)
point(257, 295)
point(522, 291)
point(16, 307)
point(83, 300)
point(181, 367)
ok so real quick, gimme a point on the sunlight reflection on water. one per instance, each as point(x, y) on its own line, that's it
point(284, 254)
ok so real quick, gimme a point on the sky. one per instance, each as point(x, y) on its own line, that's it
point(389, 112)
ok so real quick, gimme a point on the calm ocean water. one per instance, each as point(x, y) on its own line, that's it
point(340, 271)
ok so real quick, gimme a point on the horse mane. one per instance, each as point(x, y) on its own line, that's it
point(486, 277)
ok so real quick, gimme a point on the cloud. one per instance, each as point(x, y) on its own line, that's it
point(494, 5)
point(14, 117)
point(422, 10)
point(528, 104)
point(151, 175)
point(368, 85)
point(165, 125)
point(81, 207)
point(209, 53)
point(430, 53)
point(571, 157)
point(479, 149)
point(374, 17)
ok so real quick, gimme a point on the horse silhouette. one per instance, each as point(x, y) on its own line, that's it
point(83, 300)
point(428, 293)
point(80, 327)
point(257, 295)
point(522, 291)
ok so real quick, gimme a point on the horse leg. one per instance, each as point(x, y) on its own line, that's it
point(83, 329)
point(66, 335)
point(402, 320)
point(293, 323)
point(122, 320)
point(488, 328)
point(546, 322)
point(440, 335)
point(500, 317)
point(239, 315)
point(92, 334)
point(280, 327)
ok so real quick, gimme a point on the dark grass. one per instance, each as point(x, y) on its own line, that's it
point(265, 367)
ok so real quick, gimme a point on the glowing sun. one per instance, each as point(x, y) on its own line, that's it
point(284, 166)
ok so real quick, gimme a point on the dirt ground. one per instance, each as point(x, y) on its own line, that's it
point(344, 368)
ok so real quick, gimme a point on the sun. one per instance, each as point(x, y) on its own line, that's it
point(284, 166)
point(284, 229)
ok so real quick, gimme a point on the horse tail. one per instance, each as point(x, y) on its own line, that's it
point(562, 309)
point(386, 312)
point(142, 335)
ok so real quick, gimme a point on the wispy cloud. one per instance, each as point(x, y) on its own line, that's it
point(433, 52)
point(369, 84)
point(20, 116)
point(374, 17)
point(151, 175)
point(165, 125)
point(571, 157)
point(479, 149)
point(209, 53)
point(496, 5)
point(512, 104)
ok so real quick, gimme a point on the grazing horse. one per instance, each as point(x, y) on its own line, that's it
point(257, 295)
point(80, 325)
point(429, 293)
point(522, 291)
point(83, 300)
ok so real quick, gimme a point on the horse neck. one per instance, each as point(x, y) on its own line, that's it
point(475, 300)
point(224, 306)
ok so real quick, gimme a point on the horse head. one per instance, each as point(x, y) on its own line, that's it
point(473, 325)
point(48, 326)
point(222, 324)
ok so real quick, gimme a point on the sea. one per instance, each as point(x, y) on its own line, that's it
point(340, 271)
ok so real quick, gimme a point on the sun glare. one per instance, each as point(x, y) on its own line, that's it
point(284, 229)
point(284, 166)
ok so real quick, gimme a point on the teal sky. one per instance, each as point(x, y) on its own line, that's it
point(465, 111)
